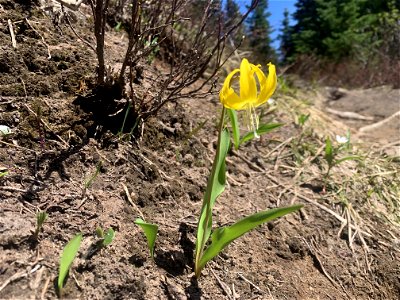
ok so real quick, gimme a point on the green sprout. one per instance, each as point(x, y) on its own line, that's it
point(106, 238)
point(41, 217)
point(302, 119)
point(150, 231)
point(89, 182)
point(331, 152)
point(67, 257)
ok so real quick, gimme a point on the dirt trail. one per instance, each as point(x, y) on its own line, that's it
point(374, 112)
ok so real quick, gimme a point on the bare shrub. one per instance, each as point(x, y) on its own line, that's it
point(189, 45)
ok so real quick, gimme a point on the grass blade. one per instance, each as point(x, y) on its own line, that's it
point(329, 151)
point(223, 236)
point(264, 128)
point(67, 257)
point(351, 157)
point(150, 231)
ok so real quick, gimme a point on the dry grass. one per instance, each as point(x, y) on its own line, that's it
point(363, 193)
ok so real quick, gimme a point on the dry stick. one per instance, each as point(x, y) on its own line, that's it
point(314, 253)
point(13, 189)
point(16, 146)
point(249, 282)
point(13, 41)
point(128, 196)
point(71, 4)
point(78, 36)
point(40, 119)
point(379, 124)
point(224, 286)
point(45, 287)
point(337, 216)
point(349, 115)
point(43, 41)
point(19, 275)
point(45, 124)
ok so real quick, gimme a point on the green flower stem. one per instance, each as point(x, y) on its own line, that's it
point(200, 244)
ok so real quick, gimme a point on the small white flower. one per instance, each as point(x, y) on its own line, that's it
point(271, 101)
point(341, 139)
point(4, 130)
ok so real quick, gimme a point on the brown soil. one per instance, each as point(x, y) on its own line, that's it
point(165, 170)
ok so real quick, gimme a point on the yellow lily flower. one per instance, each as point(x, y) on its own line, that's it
point(249, 96)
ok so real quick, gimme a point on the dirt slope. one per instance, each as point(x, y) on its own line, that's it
point(55, 148)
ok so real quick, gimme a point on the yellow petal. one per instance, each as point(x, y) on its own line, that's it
point(227, 95)
point(248, 87)
point(262, 80)
point(267, 85)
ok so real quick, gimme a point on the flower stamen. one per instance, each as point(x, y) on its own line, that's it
point(252, 119)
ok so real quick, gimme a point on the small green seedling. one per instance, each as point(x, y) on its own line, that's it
point(106, 238)
point(332, 152)
point(302, 119)
point(88, 182)
point(150, 231)
point(91, 179)
point(41, 217)
point(67, 257)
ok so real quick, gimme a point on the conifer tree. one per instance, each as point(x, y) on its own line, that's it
point(232, 16)
point(307, 32)
point(258, 34)
point(285, 37)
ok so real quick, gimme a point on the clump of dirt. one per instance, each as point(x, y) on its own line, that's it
point(56, 147)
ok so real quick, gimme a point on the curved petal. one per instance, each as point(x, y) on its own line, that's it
point(248, 87)
point(227, 95)
point(262, 80)
point(269, 88)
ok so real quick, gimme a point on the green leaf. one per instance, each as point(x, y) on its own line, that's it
point(150, 231)
point(108, 237)
point(215, 186)
point(235, 127)
point(303, 119)
point(41, 218)
point(329, 151)
point(223, 236)
point(99, 232)
point(351, 157)
point(264, 128)
point(67, 257)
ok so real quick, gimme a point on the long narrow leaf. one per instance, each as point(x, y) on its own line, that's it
point(235, 127)
point(223, 236)
point(67, 257)
point(150, 231)
point(215, 186)
point(264, 128)
point(352, 157)
point(329, 151)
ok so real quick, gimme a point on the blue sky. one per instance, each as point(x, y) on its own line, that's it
point(276, 8)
